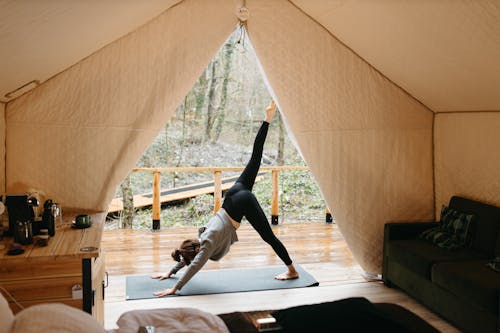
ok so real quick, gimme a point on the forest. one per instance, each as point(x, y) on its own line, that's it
point(214, 126)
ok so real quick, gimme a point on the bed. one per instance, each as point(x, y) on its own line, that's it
point(347, 315)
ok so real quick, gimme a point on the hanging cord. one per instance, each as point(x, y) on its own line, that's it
point(242, 14)
point(11, 297)
point(241, 38)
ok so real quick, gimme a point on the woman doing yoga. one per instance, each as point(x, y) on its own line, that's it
point(220, 233)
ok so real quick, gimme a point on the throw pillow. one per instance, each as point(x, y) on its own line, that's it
point(455, 230)
point(457, 223)
point(441, 238)
point(55, 318)
point(6, 315)
point(172, 320)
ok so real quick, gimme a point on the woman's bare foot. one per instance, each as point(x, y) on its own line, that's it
point(288, 275)
point(270, 111)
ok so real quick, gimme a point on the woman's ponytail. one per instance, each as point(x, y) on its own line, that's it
point(187, 251)
point(176, 255)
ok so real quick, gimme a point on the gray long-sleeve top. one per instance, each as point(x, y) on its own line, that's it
point(215, 242)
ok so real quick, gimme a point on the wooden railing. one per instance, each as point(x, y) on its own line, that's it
point(217, 171)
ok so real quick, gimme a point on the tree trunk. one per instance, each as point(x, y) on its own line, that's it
point(221, 113)
point(182, 143)
point(211, 110)
point(200, 96)
point(127, 217)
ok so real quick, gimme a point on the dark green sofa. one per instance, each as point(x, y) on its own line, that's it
point(456, 284)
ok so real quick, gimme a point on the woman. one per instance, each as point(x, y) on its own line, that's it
point(220, 233)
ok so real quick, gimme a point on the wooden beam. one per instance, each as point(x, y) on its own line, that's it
point(217, 191)
point(214, 169)
point(156, 200)
point(275, 197)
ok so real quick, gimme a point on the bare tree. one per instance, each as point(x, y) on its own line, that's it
point(199, 91)
point(227, 60)
point(211, 107)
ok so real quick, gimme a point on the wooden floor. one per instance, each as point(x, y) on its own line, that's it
point(316, 246)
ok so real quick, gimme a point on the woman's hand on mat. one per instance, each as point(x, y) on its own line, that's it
point(161, 276)
point(165, 292)
point(270, 110)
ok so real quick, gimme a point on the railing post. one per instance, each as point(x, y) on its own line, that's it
point(328, 216)
point(217, 190)
point(274, 198)
point(156, 200)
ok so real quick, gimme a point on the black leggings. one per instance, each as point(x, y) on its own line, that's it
point(239, 200)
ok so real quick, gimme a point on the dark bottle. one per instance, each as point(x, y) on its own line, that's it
point(48, 218)
point(23, 232)
point(48, 222)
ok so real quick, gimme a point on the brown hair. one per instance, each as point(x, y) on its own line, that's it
point(187, 251)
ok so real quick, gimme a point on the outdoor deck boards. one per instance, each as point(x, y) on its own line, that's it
point(173, 194)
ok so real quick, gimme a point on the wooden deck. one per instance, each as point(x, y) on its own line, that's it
point(313, 244)
point(316, 246)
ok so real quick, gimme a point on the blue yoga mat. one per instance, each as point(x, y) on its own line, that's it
point(219, 281)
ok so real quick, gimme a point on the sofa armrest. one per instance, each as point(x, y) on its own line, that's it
point(405, 230)
point(400, 231)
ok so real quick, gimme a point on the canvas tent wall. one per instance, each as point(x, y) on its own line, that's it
point(377, 152)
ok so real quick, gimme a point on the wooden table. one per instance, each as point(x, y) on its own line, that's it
point(48, 274)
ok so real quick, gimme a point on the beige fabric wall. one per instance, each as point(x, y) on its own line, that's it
point(77, 136)
point(467, 156)
point(2, 147)
point(367, 143)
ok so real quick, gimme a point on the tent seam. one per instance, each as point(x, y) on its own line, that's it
point(434, 167)
point(470, 111)
point(4, 185)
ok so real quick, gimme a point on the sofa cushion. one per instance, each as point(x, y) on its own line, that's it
point(471, 281)
point(419, 255)
point(487, 224)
